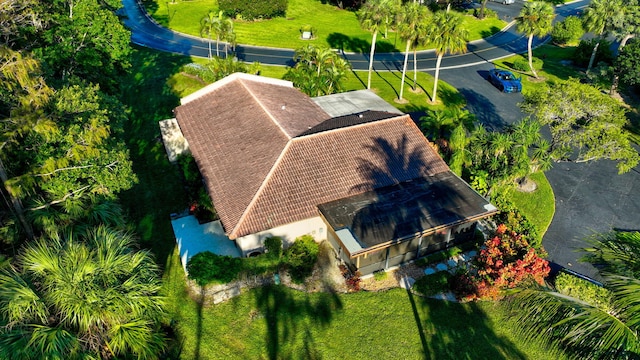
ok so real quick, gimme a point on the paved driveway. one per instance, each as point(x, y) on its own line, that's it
point(590, 197)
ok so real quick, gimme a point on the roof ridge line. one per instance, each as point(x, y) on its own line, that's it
point(398, 116)
point(264, 108)
point(247, 210)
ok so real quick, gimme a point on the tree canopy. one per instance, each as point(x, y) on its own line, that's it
point(318, 71)
point(585, 123)
point(82, 296)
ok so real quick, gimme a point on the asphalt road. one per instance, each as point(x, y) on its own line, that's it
point(147, 33)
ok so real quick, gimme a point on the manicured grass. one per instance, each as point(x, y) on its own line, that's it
point(277, 322)
point(538, 206)
point(335, 28)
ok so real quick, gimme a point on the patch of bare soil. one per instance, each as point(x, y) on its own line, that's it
point(392, 278)
point(400, 101)
point(527, 185)
point(538, 80)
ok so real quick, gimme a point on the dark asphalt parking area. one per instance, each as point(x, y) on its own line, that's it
point(590, 197)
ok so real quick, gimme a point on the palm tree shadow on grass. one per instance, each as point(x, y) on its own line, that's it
point(286, 316)
point(461, 331)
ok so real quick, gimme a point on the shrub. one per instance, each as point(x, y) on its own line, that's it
point(252, 9)
point(567, 31)
point(380, 275)
point(351, 279)
point(301, 257)
point(505, 262)
point(207, 267)
point(439, 256)
point(583, 51)
point(430, 285)
point(273, 246)
point(584, 290)
point(522, 64)
point(510, 216)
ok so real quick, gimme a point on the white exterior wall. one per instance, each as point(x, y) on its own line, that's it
point(312, 226)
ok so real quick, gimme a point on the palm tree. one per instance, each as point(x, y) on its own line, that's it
point(81, 296)
point(589, 330)
point(411, 24)
point(372, 16)
point(219, 25)
point(447, 34)
point(535, 19)
point(207, 27)
point(599, 18)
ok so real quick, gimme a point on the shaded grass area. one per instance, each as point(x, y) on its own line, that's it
point(151, 91)
point(538, 206)
point(334, 27)
point(276, 322)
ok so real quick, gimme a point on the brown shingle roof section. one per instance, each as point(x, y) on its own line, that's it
point(334, 164)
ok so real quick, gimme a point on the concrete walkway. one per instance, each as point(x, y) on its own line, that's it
point(193, 238)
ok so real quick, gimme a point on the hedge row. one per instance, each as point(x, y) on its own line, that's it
point(252, 9)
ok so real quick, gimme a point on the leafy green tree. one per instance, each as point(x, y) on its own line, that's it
point(372, 16)
point(82, 296)
point(24, 94)
point(599, 18)
point(77, 161)
point(18, 19)
point(627, 64)
point(535, 19)
point(567, 31)
point(586, 329)
point(510, 156)
point(412, 25)
point(585, 124)
point(318, 71)
point(86, 40)
point(447, 34)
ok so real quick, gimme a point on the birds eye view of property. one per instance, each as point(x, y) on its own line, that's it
point(319, 179)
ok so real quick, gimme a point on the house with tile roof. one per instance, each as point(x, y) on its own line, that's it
point(348, 168)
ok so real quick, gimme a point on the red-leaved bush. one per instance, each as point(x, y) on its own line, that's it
point(505, 261)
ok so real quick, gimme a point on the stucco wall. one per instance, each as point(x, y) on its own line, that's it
point(312, 226)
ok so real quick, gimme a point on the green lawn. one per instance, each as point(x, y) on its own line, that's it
point(279, 323)
point(334, 27)
point(538, 206)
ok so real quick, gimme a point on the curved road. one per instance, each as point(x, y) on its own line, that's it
point(146, 32)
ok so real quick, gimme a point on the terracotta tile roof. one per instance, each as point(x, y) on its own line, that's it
point(260, 172)
point(334, 164)
point(236, 132)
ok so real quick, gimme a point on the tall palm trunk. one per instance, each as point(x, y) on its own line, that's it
point(530, 53)
point(373, 50)
point(616, 76)
point(415, 69)
point(593, 56)
point(210, 55)
point(16, 204)
point(404, 67)
point(435, 80)
point(218, 45)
